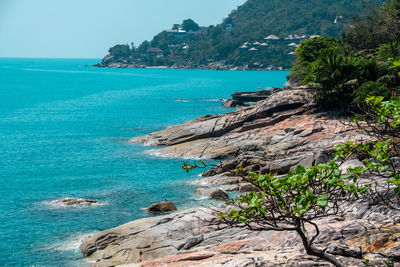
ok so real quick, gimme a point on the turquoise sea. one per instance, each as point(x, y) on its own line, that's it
point(64, 129)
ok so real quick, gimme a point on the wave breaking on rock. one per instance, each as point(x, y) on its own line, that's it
point(70, 202)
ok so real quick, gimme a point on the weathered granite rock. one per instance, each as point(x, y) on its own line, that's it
point(219, 179)
point(190, 238)
point(254, 96)
point(217, 125)
point(350, 164)
point(273, 135)
point(230, 103)
point(155, 237)
point(214, 193)
point(164, 206)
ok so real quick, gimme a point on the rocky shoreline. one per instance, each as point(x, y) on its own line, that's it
point(272, 135)
point(111, 62)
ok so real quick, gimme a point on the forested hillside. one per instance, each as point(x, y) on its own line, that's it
point(260, 34)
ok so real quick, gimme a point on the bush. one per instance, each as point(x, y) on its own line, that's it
point(311, 50)
point(370, 89)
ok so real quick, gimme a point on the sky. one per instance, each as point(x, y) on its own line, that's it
point(87, 28)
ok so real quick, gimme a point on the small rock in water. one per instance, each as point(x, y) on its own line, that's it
point(164, 206)
point(72, 202)
point(214, 193)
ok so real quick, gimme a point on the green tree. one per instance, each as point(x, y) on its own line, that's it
point(120, 51)
point(142, 48)
point(294, 201)
point(311, 50)
point(190, 25)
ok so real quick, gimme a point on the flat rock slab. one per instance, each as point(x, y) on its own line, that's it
point(155, 237)
point(190, 238)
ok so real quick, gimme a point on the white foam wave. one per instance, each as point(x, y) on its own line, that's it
point(214, 100)
point(72, 243)
point(169, 155)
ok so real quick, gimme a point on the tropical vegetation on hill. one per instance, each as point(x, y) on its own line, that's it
point(240, 40)
point(364, 61)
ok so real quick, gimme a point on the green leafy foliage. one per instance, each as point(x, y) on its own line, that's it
point(189, 25)
point(120, 51)
point(307, 194)
point(370, 89)
point(387, 112)
point(364, 62)
point(383, 122)
point(311, 50)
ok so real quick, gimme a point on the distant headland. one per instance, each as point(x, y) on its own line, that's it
point(259, 35)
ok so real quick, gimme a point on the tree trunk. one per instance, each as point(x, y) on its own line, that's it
point(313, 251)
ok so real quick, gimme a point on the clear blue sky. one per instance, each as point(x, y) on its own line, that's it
point(87, 28)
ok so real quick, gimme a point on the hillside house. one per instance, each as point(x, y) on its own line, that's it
point(180, 34)
point(295, 37)
point(272, 37)
point(155, 51)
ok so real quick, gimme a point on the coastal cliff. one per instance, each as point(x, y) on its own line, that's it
point(272, 135)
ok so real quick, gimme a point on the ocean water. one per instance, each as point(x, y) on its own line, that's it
point(64, 131)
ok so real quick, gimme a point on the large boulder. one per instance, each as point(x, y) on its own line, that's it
point(164, 206)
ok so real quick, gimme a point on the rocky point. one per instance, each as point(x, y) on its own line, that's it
point(272, 135)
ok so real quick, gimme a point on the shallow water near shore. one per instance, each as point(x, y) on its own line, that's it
point(64, 131)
